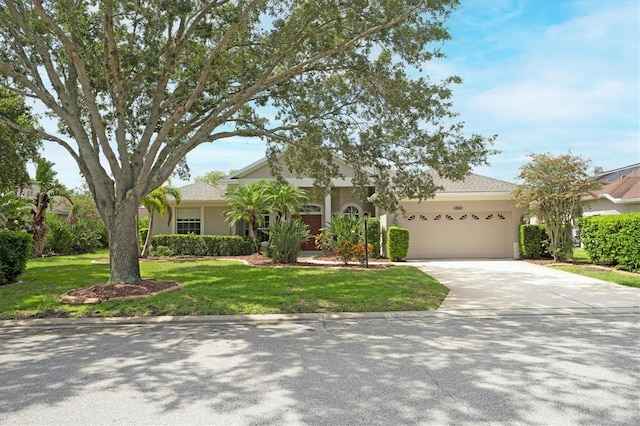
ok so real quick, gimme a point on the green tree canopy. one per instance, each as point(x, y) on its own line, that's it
point(18, 147)
point(552, 190)
point(136, 86)
point(212, 177)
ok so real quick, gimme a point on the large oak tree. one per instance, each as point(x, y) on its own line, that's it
point(137, 85)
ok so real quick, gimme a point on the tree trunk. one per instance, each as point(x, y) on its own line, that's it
point(39, 224)
point(124, 246)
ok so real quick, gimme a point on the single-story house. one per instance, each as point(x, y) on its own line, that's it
point(620, 192)
point(59, 206)
point(474, 218)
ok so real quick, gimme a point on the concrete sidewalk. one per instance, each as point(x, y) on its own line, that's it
point(511, 285)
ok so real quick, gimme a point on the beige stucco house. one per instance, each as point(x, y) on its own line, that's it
point(474, 218)
point(620, 192)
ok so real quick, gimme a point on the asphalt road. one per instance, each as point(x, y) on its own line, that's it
point(505, 370)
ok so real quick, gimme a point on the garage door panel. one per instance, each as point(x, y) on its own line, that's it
point(447, 235)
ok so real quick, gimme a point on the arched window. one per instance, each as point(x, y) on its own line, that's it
point(351, 209)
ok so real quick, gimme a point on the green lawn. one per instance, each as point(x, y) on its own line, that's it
point(221, 287)
point(605, 275)
point(581, 257)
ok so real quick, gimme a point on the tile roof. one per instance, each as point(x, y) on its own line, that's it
point(473, 183)
point(200, 191)
point(626, 187)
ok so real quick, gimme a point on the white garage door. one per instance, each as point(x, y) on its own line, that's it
point(459, 235)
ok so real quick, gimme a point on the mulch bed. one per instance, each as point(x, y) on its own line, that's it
point(102, 292)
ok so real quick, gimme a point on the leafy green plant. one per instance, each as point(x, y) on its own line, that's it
point(612, 240)
point(373, 236)
point(59, 237)
point(14, 211)
point(324, 242)
point(397, 243)
point(532, 239)
point(344, 227)
point(286, 238)
point(15, 248)
point(204, 245)
point(161, 251)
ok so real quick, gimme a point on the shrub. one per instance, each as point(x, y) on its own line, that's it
point(360, 253)
point(161, 251)
point(82, 236)
point(204, 245)
point(373, 236)
point(15, 249)
point(344, 250)
point(286, 237)
point(142, 235)
point(344, 227)
point(324, 242)
point(533, 241)
point(612, 240)
point(59, 238)
point(397, 243)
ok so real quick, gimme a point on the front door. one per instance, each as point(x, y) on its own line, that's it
point(314, 221)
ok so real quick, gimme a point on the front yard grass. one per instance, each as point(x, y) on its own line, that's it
point(584, 267)
point(213, 287)
point(631, 280)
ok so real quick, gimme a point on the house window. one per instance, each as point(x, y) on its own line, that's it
point(351, 209)
point(262, 231)
point(262, 234)
point(310, 208)
point(188, 220)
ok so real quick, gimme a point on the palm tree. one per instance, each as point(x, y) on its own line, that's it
point(157, 200)
point(48, 187)
point(248, 203)
point(285, 198)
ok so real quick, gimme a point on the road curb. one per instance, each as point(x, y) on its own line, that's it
point(309, 318)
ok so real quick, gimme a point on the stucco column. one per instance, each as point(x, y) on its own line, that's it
point(327, 209)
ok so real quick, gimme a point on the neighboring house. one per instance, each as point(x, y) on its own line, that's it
point(620, 192)
point(474, 218)
point(59, 206)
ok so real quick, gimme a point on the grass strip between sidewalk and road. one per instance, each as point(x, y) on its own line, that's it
point(213, 287)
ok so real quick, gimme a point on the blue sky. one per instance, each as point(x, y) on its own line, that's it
point(544, 75)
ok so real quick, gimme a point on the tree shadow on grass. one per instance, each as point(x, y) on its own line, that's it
point(447, 371)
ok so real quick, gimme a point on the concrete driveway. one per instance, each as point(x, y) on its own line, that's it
point(517, 285)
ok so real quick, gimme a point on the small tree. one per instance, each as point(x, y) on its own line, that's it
point(211, 177)
point(552, 190)
point(248, 203)
point(285, 198)
point(48, 187)
point(157, 201)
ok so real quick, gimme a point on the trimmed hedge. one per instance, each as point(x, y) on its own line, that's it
point(612, 240)
point(532, 240)
point(373, 235)
point(204, 245)
point(397, 243)
point(15, 249)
